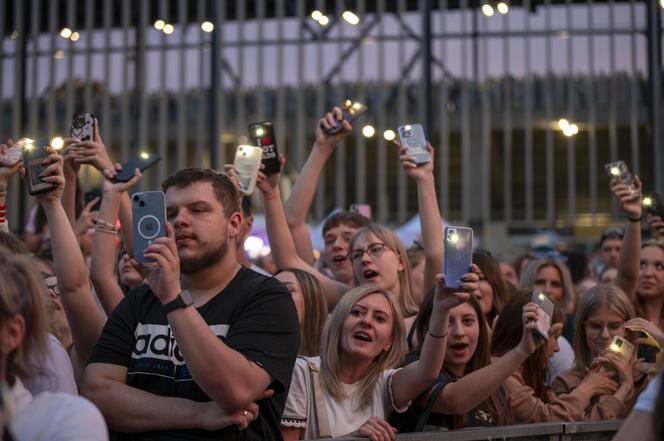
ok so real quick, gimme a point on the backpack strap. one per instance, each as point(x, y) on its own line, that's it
point(322, 421)
point(426, 412)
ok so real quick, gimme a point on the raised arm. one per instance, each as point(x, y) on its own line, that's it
point(630, 251)
point(461, 396)
point(656, 226)
point(131, 410)
point(6, 173)
point(281, 242)
point(411, 380)
point(85, 318)
point(298, 205)
point(430, 220)
point(103, 264)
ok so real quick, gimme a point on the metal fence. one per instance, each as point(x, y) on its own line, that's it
point(488, 89)
point(581, 431)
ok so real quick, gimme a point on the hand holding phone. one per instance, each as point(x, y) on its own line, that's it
point(34, 154)
point(458, 251)
point(11, 156)
point(350, 110)
point(142, 162)
point(653, 205)
point(148, 211)
point(412, 138)
point(544, 314)
point(619, 171)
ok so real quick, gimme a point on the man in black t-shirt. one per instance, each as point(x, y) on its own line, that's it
point(196, 353)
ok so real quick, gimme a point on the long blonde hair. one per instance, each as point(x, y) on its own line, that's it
point(331, 346)
point(22, 292)
point(405, 297)
point(599, 296)
point(529, 274)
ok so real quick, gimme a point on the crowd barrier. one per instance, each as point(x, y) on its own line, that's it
point(580, 431)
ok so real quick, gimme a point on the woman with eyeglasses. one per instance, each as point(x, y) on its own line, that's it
point(602, 314)
point(641, 267)
point(47, 416)
point(529, 399)
point(352, 387)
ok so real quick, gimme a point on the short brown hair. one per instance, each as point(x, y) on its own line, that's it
point(226, 192)
point(354, 220)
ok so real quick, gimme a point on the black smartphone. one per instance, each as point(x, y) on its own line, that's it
point(458, 251)
point(653, 204)
point(142, 162)
point(647, 353)
point(350, 110)
point(262, 135)
point(34, 153)
point(90, 196)
point(83, 126)
point(148, 210)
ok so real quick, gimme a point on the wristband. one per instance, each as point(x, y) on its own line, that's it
point(438, 336)
point(101, 229)
point(631, 219)
point(274, 195)
point(103, 223)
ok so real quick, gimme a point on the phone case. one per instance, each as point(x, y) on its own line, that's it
point(262, 135)
point(33, 155)
point(458, 246)
point(247, 163)
point(12, 156)
point(148, 211)
point(655, 205)
point(544, 318)
point(412, 137)
point(363, 209)
point(647, 353)
point(83, 126)
point(142, 162)
point(350, 111)
point(621, 346)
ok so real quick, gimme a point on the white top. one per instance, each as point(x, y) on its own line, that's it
point(53, 416)
point(57, 372)
point(343, 416)
point(561, 362)
point(648, 398)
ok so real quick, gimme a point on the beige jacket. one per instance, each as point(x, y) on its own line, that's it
point(524, 407)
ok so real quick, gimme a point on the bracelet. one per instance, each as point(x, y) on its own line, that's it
point(105, 230)
point(103, 223)
point(438, 336)
point(272, 196)
point(631, 219)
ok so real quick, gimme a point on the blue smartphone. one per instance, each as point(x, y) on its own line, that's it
point(458, 249)
point(412, 137)
point(148, 210)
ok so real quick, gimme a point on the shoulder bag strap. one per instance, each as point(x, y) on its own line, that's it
point(322, 420)
point(426, 412)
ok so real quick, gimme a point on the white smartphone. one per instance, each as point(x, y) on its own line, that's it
point(412, 137)
point(247, 164)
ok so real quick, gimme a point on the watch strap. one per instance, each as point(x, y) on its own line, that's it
point(182, 300)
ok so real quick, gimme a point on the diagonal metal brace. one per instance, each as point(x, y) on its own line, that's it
point(350, 49)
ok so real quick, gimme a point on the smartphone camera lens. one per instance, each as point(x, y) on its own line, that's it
point(142, 203)
point(136, 198)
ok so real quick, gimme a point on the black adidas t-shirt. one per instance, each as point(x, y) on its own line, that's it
point(253, 315)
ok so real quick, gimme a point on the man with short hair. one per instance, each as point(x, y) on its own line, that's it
point(186, 356)
point(609, 248)
point(338, 228)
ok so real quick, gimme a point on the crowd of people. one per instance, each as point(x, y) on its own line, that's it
point(197, 342)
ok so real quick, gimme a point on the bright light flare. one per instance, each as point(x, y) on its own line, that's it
point(325, 20)
point(168, 29)
point(316, 14)
point(350, 17)
point(75, 36)
point(487, 10)
point(368, 131)
point(65, 33)
point(57, 142)
point(389, 135)
point(563, 123)
point(144, 155)
point(159, 25)
point(571, 130)
point(503, 8)
point(207, 26)
point(647, 201)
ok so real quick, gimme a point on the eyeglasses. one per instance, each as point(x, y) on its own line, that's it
point(52, 285)
point(374, 250)
point(593, 327)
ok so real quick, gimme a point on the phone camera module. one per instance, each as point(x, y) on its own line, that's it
point(136, 198)
point(148, 227)
point(142, 203)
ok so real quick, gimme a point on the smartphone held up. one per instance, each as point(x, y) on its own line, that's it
point(544, 314)
point(247, 165)
point(148, 211)
point(458, 252)
point(412, 138)
point(262, 135)
point(83, 126)
point(34, 153)
point(350, 111)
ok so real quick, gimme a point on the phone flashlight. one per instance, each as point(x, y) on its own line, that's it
point(259, 131)
point(647, 201)
point(57, 142)
point(615, 171)
point(144, 155)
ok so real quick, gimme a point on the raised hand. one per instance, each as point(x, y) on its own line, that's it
point(7, 171)
point(53, 173)
point(87, 218)
point(416, 172)
point(596, 383)
point(448, 298)
point(119, 187)
point(628, 198)
point(328, 142)
point(88, 152)
point(163, 274)
point(269, 184)
point(656, 226)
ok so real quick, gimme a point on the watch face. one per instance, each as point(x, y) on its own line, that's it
point(186, 297)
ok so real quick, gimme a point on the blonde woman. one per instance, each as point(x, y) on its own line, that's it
point(363, 339)
point(603, 312)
